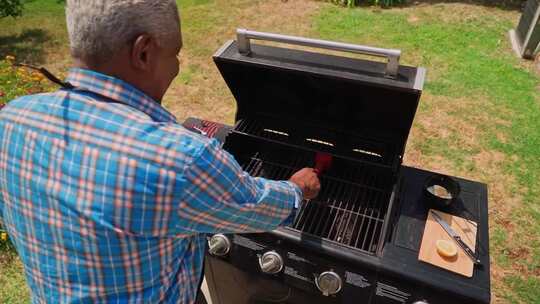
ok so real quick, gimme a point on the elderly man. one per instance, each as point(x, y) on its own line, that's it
point(106, 197)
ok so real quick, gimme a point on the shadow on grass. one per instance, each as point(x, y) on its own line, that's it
point(516, 5)
point(28, 46)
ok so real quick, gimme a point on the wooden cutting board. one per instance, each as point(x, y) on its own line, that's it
point(434, 231)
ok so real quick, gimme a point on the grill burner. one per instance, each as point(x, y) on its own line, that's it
point(314, 138)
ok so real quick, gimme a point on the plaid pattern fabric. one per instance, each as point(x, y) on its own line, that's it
point(108, 199)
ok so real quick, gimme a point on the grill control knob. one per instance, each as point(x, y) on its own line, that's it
point(329, 283)
point(271, 262)
point(219, 245)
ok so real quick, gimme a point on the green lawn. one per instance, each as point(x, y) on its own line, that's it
point(13, 288)
point(490, 115)
point(479, 116)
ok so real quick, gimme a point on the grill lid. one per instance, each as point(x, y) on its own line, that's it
point(371, 100)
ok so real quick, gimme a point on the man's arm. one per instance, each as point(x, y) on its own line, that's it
point(221, 197)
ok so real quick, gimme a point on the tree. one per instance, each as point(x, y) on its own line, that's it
point(11, 8)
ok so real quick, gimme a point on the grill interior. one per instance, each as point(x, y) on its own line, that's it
point(352, 206)
point(313, 137)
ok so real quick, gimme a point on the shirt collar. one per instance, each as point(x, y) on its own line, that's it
point(118, 90)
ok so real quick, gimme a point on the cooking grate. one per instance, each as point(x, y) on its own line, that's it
point(350, 208)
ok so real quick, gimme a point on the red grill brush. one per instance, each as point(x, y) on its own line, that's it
point(323, 162)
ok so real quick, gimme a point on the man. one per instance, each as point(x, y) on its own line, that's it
point(106, 197)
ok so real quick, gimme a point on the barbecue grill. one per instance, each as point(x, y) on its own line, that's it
point(357, 242)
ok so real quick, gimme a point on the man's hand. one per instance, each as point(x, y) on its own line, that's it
point(308, 181)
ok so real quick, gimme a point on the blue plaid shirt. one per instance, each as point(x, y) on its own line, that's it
point(108, 199)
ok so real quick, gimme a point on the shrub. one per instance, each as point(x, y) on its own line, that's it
point(17, 81)
point(11, 8)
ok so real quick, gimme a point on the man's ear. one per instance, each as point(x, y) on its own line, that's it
point(142, 51)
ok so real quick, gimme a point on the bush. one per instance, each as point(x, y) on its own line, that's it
point(11, 8)
point(17, 81)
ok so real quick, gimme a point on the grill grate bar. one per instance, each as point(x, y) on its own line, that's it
point(375, 224)
point(309, 216)
point(364, 196)
point(376, 229)
point(350, 231)
point(338, 216)
point(251, 164)
point(328, 216)
point(346, 233)
point(333, 219)
point(313, 223)
point(301, 217)
point(368, 207)
point(368, 228)
point(356, 196)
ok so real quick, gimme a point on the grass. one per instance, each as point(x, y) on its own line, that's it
point(485, 94)
point(19, 81)
point(479, 116)
point(13, 288)
point(37, 37)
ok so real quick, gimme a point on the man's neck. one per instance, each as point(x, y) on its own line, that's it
point(116, 68)
point(109, 68)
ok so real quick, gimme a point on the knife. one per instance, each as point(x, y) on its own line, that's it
point(456, 238)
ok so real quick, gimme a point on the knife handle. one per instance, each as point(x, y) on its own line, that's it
point(468, 251)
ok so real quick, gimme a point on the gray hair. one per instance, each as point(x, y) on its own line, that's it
point(100, 28)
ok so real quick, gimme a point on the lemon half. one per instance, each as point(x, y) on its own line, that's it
point(446, 248)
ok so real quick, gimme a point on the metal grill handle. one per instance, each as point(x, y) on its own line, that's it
point(244, 47)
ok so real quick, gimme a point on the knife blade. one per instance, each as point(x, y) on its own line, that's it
point(468, 251)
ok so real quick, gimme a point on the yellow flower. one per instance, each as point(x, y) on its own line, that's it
point(10, 58)
point(3, 236)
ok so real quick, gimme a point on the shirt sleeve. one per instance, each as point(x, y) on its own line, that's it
point(221, 198)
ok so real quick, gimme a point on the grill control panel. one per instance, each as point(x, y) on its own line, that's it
point(301, 274)
point(330, 281)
